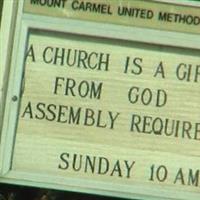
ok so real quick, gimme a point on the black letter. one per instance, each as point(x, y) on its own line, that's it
point(28, 110)
point(64, 157)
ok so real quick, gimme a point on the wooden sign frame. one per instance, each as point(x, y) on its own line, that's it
point(26, 22)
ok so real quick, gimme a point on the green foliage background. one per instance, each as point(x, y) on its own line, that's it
point(1, 6)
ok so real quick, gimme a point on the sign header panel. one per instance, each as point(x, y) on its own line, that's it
point(139, 13)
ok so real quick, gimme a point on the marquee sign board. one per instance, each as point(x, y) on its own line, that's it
point(105, 105)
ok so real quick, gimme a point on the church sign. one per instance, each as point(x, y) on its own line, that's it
point(103, 97)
